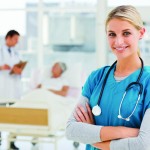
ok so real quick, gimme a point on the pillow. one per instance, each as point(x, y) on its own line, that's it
point(73, 75)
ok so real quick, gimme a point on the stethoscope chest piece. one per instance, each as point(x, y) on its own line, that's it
point(96, 110)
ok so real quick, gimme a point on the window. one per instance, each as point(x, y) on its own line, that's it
point(129, 2)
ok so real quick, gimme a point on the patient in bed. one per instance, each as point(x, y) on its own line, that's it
point(58, 91)
point(54, 81)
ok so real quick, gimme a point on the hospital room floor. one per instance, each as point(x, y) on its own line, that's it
point(63, 144)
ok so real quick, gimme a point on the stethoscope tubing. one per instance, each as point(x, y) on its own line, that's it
point(96, 110)
point(137, 82)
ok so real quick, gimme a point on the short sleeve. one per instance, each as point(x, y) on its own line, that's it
point(88, 87)
point(93, 79)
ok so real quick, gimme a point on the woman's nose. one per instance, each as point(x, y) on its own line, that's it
point(119, 41)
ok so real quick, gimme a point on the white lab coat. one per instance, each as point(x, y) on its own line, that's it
point(10, 85)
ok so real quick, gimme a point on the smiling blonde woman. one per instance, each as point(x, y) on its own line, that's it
point(114, 107)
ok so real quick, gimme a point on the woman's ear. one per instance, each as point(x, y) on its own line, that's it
point(142, 31)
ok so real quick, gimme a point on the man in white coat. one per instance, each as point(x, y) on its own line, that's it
point(10, 84)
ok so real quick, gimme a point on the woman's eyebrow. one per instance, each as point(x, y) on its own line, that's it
point(122, 30)
point(126, 30)
point(110, 31)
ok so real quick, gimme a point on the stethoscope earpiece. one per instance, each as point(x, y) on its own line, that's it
point(120, 117)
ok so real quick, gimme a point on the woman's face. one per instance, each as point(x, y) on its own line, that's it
point(123, 38)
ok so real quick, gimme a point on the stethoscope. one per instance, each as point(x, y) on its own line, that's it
point(96, 110)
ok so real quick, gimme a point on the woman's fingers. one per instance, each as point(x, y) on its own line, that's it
point(89, 112)
point(80, 114)
point(77, 117)
point(85, 114)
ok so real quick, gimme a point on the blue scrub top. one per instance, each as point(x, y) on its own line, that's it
point(112, 96)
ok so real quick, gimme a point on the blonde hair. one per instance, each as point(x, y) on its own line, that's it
point(127, 13)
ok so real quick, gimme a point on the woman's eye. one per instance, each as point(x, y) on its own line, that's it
point(111, 34)
point(126, 33)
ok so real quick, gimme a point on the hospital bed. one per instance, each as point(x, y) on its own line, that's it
point(39, 114)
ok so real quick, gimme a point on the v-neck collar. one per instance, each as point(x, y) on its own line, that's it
point(132, 77)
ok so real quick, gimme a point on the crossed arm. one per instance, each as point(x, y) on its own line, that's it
point(107, 133)
point(80, 128)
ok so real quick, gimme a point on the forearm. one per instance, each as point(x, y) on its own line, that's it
point(137, 143)
point(113, 133)
point(82, 132)
point(61, 93)
point(127, 144)
point(89, 134)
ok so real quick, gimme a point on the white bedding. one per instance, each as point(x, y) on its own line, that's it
point(59, 108)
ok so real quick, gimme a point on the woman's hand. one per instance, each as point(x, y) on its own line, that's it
point(102, 145)
point(82, 115)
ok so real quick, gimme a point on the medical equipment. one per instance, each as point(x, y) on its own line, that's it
point(96, 110)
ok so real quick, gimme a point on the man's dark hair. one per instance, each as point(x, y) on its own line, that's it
point(11, 33)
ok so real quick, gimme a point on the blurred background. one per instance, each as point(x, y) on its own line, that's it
point(72, 31)
point(66, 30)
